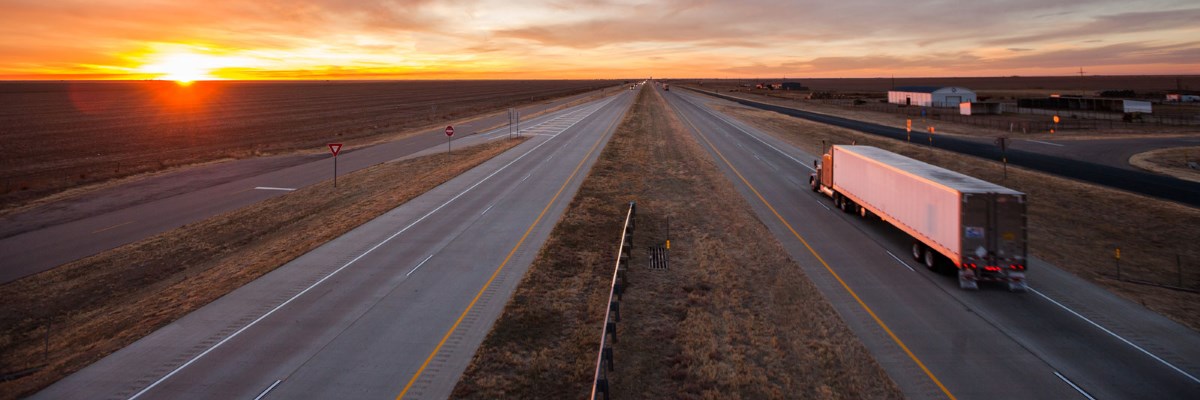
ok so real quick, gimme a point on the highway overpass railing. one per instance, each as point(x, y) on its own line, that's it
point(612, 313)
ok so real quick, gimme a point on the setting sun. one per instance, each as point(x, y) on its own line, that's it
point(184, 68)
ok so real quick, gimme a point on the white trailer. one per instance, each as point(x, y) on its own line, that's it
point(974, 225)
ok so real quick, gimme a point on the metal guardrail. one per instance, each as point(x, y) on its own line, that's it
point(612, 314)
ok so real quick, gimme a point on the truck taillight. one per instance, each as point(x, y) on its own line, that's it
point(992, 268)
point(970, 265)
point(1017, 267)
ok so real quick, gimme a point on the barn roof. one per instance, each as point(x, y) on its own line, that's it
point(917, 89)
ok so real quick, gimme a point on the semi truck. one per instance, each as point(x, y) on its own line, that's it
point(976, 227)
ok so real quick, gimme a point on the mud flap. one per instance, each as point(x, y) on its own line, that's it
point(966, 279)
point(1016, 282)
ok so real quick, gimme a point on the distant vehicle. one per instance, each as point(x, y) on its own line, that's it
point(631, 87)
point(666, 87)
point(954, 219)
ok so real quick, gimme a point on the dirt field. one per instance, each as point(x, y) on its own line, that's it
point(58, 135)
point(1073, 225)
point(733, 316)
point(1173, 162)
point(102, 303)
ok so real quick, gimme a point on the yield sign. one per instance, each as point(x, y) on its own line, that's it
point(335, 148)
point(449, 130)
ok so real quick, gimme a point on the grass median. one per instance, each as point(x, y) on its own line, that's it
point(97, 305)
point(733, 316)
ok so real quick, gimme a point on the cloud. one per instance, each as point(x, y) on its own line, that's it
point(1112, 24)
point(559, 38)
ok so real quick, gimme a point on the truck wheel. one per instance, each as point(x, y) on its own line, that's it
point(863, 212)
point(812, 183)
point(916, 250)
point(930, 260)
point(842, 203)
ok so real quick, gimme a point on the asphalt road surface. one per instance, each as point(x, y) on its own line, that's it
point(394, 307)
point(1164, 187)
point(61, 232)
point(1065, 338)
point(1110, 152)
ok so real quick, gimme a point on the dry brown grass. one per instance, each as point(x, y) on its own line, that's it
point(1172, 161)
point(104, 302)
point(733, 317)
point(1072, 224)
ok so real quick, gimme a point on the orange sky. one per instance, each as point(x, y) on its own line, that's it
point(519, 39)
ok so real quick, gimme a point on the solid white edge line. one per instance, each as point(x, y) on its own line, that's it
point(336, 271)
point(1039, 141)
point(274, 188)
point(819, 203)
point(1077, 389)
point(901, 262)
point(418, 266)
point(722, 118)
point(272, 387)
point(1117, 336)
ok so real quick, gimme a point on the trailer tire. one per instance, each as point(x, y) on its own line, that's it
point(863, 212)
point(843, 204)
point(930, 260)
point(917, 248)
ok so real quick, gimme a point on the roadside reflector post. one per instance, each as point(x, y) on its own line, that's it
point(908, 128)
point(1117, 257)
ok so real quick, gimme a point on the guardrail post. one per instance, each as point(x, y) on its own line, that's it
point(608, 357)
point(611, 328)
point(615, 307)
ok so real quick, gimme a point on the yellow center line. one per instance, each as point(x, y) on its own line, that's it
point(821, 259)
point(112, 227)
point(495, 273)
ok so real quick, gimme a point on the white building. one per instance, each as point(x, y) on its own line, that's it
point(1183, 96)
point(930, 96)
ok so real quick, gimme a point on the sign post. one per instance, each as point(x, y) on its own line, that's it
point(335, 148)
point(908, 128)
point(449, 133)
point(1003, 143)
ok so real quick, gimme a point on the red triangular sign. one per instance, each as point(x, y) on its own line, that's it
point(335, 148)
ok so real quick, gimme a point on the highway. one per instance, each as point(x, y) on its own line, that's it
point(60, 232)
point(395, 307)
point(1085, 169)
point(1066, 338)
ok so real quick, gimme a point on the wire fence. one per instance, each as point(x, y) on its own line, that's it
point(1010, 119)
point(1172, 271)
